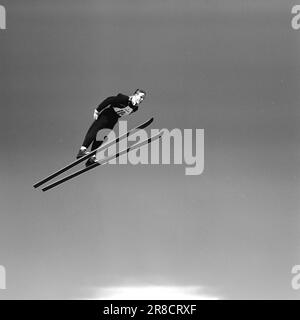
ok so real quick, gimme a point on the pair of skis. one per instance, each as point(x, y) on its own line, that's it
point(100, 162)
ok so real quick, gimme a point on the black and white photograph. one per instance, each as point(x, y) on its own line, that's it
point(150, 150)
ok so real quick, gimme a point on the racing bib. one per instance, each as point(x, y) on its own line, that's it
point(123, 111)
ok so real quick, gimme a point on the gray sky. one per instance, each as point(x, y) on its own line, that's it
point(230, 67)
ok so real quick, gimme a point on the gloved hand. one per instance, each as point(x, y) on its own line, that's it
point(96, 114)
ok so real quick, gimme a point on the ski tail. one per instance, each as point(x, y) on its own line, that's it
point(93, 152)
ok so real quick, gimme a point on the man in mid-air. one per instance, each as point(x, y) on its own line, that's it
point(106, 115)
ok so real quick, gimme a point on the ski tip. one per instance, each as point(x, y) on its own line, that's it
point(146, 124)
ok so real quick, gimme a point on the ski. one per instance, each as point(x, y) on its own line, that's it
point(104, 161)
point(93, 152)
